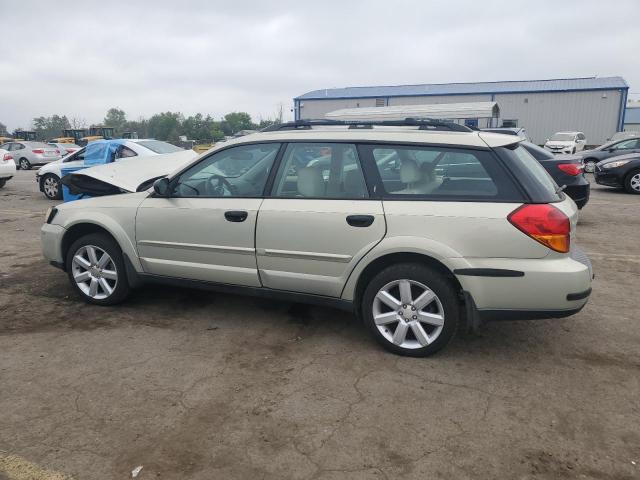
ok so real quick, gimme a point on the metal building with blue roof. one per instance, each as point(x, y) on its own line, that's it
point(593, 105)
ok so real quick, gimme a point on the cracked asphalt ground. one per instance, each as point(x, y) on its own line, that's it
point(197, 385)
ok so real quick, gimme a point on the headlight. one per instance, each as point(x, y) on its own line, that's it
point(51, 213)
point(615, 164)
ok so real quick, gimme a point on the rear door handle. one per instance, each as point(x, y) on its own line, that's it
point(236, 215)
point(360, 220)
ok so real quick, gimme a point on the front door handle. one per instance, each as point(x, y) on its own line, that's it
point(236, 215)
point(360, 220)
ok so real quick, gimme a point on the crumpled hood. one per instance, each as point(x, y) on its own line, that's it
point(127, 174)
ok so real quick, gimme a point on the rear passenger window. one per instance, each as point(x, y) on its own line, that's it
point(441, 173)
point(320, 170)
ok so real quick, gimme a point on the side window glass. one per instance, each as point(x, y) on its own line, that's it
point(235, 172)
point(126, 152)
point(320, 170)
point(439, 173)
point(626, 145)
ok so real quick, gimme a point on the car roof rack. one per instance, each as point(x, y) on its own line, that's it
point(421, 123)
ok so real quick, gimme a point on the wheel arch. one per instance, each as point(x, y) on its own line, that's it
point(383, 261)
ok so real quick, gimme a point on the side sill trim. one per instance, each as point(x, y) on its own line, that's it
point(579, 295)
point(282, 295)
point(488, 272)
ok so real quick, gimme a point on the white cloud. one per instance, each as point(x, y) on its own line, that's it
point(215, 57)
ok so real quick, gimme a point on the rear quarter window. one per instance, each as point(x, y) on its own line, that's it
point(441, 173)
point(532, 176)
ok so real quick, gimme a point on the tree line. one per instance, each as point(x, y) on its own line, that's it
point(167, 126)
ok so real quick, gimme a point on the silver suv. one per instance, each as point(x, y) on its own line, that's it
point(418, 227)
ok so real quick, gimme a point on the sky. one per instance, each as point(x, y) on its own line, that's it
point(81, 58)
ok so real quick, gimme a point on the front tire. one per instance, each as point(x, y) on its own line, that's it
point(51, 187)
point(590, 165)
point(632, 182)
point(3, 182)
point(411, 309)
point(96, 269)
point(24, 164)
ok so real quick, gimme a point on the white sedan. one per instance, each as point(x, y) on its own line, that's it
point(7, 167)
point(48, 177)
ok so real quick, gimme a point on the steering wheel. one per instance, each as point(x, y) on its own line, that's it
point(223, 183)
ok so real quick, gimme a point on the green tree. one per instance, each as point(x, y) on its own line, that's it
point(116, 118)
point(237, 121)
point(50, 127)
point(166, 126)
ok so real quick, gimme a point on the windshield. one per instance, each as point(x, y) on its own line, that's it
point(159, 147)
point(563, 137)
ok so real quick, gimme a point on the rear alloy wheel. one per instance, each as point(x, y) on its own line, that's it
point(51, 187)
point(411, 309)
point(24, 164)
point(96, 269)
point(632, 182)
point(590, 166)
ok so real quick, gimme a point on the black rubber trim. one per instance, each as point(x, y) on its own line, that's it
point(503, 315)
point(283, 295)
point(133, 277)
point(59, 265)
point(579, 295)
point(488, 272)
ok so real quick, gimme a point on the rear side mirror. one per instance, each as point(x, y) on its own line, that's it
point(161, 187)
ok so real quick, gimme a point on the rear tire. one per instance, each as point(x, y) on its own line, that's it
point(51, 187)
point(632, 182)
point(24, 164)
point(411, 309)
point(97, 279)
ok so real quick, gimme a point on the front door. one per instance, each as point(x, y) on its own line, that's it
point(205, 228)
point(319, 220)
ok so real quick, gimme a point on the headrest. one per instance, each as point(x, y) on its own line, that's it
point(354, 184)
point(310, 182)
point(409, 172)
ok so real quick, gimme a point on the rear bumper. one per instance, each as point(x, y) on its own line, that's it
point(579, 193)
point(7, 169)
point(529, 288)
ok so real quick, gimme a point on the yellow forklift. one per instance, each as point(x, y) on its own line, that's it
point(71, 135)
point(24, 135)
point(4, 140)
point(97, 132)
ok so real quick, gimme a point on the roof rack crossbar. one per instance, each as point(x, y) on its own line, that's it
point(422, 123)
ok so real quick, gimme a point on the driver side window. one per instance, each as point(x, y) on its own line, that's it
point(240, 171)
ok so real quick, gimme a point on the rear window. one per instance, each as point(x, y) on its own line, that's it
point(538, 183)
point(441, 173)
point(159, 147)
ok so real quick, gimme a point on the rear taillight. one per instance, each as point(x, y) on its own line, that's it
point(545, 224)
point(7, 157)
point(571, 168)
point(38, 150)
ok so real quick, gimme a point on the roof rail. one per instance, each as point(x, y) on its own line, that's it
point(421, 123)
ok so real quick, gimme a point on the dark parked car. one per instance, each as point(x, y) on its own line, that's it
point(565, 170)
point(608, 150)
point(622, 171)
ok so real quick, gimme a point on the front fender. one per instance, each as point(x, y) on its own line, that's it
point(120, 223)
point(402, 244)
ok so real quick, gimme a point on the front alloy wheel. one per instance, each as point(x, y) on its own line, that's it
point(51, 187)
point(590, 166)
point(94, 272)
point(632, 182)
point(96, 269)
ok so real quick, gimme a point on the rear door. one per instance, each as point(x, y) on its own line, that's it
point(319, 220)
